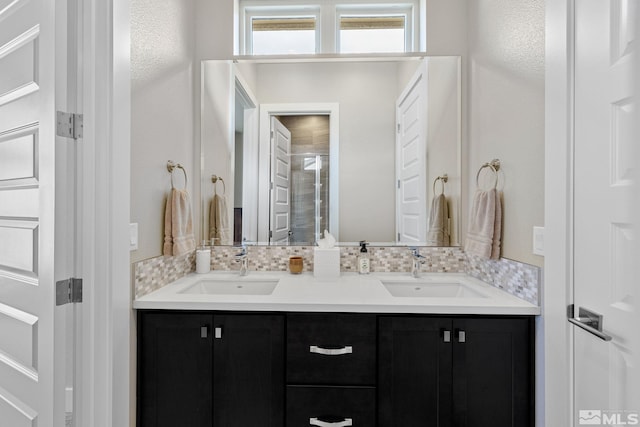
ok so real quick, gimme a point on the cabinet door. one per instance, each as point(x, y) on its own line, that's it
point(414, 372)
point(493, 373)
point(174, 370)
point(248, 370)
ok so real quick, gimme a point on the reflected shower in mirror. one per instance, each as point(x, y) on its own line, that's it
point(309, 190)
point(350, 145)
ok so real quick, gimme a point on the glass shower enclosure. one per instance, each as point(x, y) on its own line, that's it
point(309, 197)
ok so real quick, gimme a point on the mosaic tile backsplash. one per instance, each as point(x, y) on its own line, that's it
point(383, 258)
point(521, 280)
point(153, 273)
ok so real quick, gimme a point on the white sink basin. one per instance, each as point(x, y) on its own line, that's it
point(416, 288)
point(238, 286)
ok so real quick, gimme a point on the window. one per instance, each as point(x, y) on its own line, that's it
point(295, 27)
point(365, 34)
point(281, 31)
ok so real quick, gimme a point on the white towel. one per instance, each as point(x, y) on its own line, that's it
point(438, 229)
point(219, 220)
point(485, 225)
point(178, 224)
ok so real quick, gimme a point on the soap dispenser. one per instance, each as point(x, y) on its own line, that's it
point(364, 266)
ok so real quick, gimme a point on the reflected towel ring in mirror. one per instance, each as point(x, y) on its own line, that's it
point(215, 179)
point(443, 179)
point(171, 166)
point(494, 165)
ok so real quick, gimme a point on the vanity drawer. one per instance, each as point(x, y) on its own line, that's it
point(331, 349)
point(331, 406)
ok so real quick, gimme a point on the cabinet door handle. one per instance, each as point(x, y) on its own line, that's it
point(446, 336)
point(462, 336)
point(344, 423)
point(204, 331)
point(217, 333)
point(347, 349)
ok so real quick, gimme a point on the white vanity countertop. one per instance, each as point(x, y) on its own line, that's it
point(351, 292)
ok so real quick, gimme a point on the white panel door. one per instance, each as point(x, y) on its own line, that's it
point(32, 342)
point(280, 182)
point(603, 224)
point(411, 161)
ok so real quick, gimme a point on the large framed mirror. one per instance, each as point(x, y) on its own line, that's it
point(358, 146)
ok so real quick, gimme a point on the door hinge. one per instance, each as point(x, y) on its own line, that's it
point(68, 291)
point(271, 185)
point(398, 127)
point(270, 234)
point(69, 125)
point(398, 184)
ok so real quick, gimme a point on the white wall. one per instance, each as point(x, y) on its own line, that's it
point(162, 112)
point(366, 94)
point(506, 111)
point(447, 27)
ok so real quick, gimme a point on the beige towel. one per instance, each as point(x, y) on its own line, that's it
point(497, 229)
point(485, 225)
point(219, 221)
point(178, 224)
point(438, 231)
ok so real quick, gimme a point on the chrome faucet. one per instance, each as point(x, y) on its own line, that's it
point(418, 260)
point(243, 258)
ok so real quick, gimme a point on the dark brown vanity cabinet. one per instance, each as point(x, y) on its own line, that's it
point(230, 369)
point(331, 369)
point(203, 369)
point(471, 372)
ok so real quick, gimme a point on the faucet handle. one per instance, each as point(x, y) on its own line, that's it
point(415, 252)
point(243, 252)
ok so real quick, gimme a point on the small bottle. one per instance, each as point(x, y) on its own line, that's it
point(203, 259)
point(364, 265)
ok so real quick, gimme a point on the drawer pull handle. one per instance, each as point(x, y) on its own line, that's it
point(344, 423)
point(347, 349)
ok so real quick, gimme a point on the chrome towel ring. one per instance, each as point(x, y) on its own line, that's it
point(171, 166)
point(443, 179)
point(494, 165)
